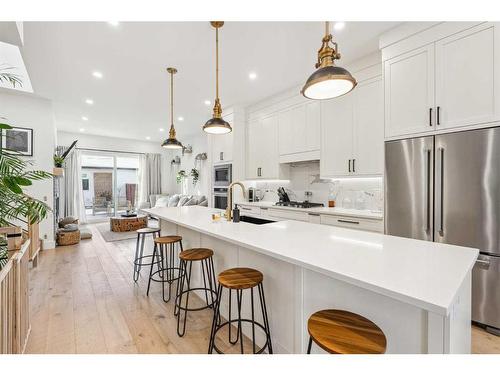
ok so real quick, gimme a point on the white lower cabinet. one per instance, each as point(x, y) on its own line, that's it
point(371, 225)
point(287, 214)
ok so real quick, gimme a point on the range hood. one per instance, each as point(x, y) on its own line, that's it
point(307, 156)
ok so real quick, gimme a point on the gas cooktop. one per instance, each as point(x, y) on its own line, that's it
point(305, 204)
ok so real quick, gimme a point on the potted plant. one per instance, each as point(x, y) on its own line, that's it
point(15, 204)
point(196, 176)
point(59, 160)
point(181, 175)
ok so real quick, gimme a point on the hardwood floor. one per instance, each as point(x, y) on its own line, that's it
point(83, 300)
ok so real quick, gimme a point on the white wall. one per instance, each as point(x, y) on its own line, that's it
point(29, 111)
point(200, 145)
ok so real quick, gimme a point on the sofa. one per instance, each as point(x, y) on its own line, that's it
point(174, 200)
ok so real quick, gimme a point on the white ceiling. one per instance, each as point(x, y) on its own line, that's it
point(132, 98)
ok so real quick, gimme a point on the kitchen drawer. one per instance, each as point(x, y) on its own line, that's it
point(287, 214)
point(314, 218)
point(246, 210)
point(353, 223)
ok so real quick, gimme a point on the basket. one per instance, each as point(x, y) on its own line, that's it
point(68, 238)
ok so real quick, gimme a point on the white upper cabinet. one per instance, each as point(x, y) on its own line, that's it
point(222, 145)
point(262, 149)
point(352, 132)
point(337, 120)
point(409, 92)
point(467, 82)
point(451, 83)
point(368, 158)
point(299, 129)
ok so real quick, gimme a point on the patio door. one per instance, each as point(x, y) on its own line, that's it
point(110, 184)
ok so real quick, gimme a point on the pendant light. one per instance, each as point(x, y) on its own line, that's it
point(328, 81)
point(217, 125)
point(171, 142)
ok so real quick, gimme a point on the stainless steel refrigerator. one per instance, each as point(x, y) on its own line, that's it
point(446, 188)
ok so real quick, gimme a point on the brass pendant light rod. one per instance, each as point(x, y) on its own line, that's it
point(217, 125)
point(172, 142)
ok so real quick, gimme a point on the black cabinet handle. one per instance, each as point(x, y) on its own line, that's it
point(438, 110)
point(354, 165)
point(221, 155)
point(430, 116)
point(348, 221)
point(349, 165)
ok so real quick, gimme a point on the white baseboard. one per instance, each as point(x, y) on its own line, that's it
point(49, 244)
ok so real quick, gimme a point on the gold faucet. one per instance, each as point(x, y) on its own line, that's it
point(229, 208)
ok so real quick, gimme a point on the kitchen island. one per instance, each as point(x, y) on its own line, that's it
point(417, 292)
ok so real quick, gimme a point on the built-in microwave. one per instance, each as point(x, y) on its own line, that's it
point(222, 175)
point(220, 198)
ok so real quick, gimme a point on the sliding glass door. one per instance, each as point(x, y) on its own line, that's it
point(110, 183)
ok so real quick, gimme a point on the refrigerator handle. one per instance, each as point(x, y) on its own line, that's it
point(441, 192)
point(428, 191)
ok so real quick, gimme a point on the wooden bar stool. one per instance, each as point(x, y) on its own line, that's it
point(139, 259)
point(187, 258)
point(343, 332)
point(168, 270)
point(240, 279)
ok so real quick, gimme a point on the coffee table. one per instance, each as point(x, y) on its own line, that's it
point(127, 224)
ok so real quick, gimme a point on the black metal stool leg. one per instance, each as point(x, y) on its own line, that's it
point(155, 250)
point(136, 259)
point(204, 280)
point(253, 321)
point(188, 279)
point(180, 285)
point(215, 321)
point(309, 345)
point(264, 316)
point(230, 321)
point(239, 297)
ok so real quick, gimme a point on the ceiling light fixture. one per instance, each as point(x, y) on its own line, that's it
point(252, 76)
point(180, 118)
point(217, 125)
point(85, 118)
point(171, 142)
point(161, 129)
point(114, 23)
point(97, 74)
point(82, 130)
point(328, 81)
point(148, 137)
point(207, 102)
point(89, 101)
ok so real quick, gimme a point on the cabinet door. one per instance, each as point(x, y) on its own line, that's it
point(312, 125)
point(369, 128)
point(467, 77)
point(285, 135)
point(268, 148)
point(409, 92)
point(253, 148)
point(336, 136)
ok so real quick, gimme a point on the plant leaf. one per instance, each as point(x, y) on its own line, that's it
point(5, 126)
point(12, 185)
point(22, 181)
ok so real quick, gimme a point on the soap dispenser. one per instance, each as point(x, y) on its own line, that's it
point(236, 214)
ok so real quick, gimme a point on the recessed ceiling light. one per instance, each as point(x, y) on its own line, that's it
point(85, 118)
point(161, 129)
point(252, 75)
point(339, 25)
point(89, 101)
point(114, 23)
point(180, 118)
point(207, 102)
point(148, 138)
point(82, 130)
point(97, 74)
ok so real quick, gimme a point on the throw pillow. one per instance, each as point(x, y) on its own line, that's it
point(174, 199)
point(192, 202)
point(162, 202)
point(183, 199)
point(203, 203)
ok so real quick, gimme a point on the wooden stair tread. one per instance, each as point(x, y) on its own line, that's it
point(240, 278)
point(344, 332)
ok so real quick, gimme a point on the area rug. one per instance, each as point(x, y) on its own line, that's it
point(110, 236)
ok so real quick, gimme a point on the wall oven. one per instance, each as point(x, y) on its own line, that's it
point(220, 197)
point(222, 175)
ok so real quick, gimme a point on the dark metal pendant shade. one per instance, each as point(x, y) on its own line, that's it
point(171, 143)
point(217, 125)
point(328, 82)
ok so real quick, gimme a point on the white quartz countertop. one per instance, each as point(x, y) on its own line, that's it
point(351, 212)
point(424, 274)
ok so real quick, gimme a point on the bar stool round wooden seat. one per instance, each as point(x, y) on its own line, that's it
point(141, 260)
point(187, 258)
point(343, 332)
point(240, 279)
point(168, 269)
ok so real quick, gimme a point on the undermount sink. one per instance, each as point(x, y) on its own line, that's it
point(255, 220)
